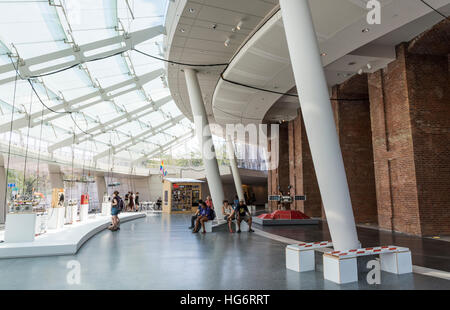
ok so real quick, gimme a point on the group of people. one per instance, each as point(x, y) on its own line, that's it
point(205, 212)
point(132, 202)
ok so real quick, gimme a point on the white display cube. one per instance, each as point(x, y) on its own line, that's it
point(398, 263)
point(84, 212)
point(56, 218)
point(208, 226)
point(71, 214)
point(300, 261)
point(20, 227)
point(340, 271)
point(106, 208)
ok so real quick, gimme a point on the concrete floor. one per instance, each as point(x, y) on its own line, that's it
point(159, 252)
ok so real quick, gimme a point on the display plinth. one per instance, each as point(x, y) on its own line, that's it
point(56, 218)
point(106, 208)
point(20, 227)
point(71, 213)
point(84, 212)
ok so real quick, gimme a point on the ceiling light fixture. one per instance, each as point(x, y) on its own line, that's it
point(191, 10)
point(360, 71)
point(182, 30)
point(323, 54)
point(369, 66)
point(365, 30)
point(239, 25)
point(227, 42)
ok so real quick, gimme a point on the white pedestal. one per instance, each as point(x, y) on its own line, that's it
point(208, 226)
point(84, 211)
point(56, 218)
point(106, 209)
point(340, 270)
point(299, 261)
point(71, 214)
point(20, 227)
point(398, 263)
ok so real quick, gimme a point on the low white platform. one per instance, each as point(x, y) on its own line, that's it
point(65, 241)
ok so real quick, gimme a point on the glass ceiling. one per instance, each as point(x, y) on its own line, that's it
point(33, 28)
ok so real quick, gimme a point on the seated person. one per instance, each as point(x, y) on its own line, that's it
point(227, 210)
point(205, 215)
point(243, 214)
point(196, 214)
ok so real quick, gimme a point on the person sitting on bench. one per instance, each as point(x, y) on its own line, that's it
point(196, 214)
point(204, 216)
point(243, 214)
point(227, 210)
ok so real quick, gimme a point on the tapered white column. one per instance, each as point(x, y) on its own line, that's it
point(234, 169)
point(205, 140)
point(319, 123)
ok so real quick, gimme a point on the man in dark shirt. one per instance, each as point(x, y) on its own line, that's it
point(243, 214)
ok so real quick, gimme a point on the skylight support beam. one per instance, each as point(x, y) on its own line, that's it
point(102, 128)
point(166, 146)
point(80, 54)
point(66, 105)
point(153, 131)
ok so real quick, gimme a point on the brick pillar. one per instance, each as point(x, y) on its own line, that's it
point(302, 174)
point(410, 112)
point(355, 137)
point(283, 166)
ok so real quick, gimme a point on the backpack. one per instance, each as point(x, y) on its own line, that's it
point(213, 214)
point(120, 203)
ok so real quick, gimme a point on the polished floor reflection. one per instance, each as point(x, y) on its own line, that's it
point(159, 252)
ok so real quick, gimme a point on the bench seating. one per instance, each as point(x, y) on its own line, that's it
point(341, 266)
point(301, 257)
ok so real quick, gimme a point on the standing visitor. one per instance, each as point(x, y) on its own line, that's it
point(136, 202)
point(116, 205)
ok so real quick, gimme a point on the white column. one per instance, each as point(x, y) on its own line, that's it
point(319, 122)
point(234, 169)
point(205, 140)
point(3, 208)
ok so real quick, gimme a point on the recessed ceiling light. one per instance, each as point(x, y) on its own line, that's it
point(182, 30)
point(323, 54)
point(365, 30)
point(239, 25)
point(227, 42)
point(360, 71)
point(191, 10)
point(369, 66)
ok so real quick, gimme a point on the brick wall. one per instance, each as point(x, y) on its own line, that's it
point(302, 174)
point(355, 138)
point(410, 124)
